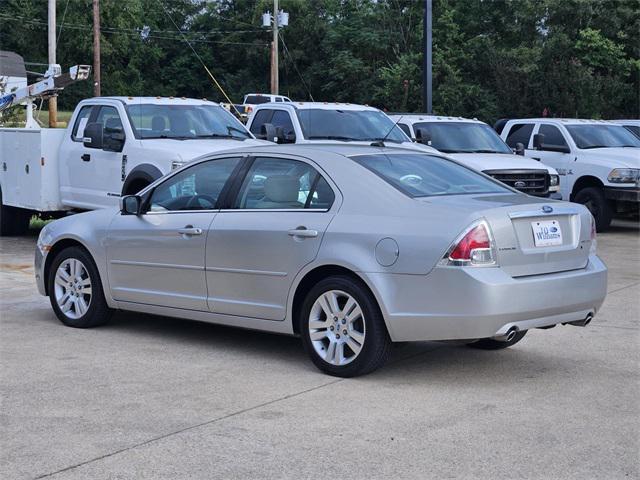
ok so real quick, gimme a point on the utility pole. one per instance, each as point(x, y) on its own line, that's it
point(96, 48)
point(275, 78)
point(51, 34)
point(427, 58)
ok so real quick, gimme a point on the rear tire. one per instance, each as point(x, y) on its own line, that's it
point(491, 344)
point(342, 328)
point(75, 290)
point(602, 210)
point(13, 220)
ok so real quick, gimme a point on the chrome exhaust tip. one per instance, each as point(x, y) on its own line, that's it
point(507, 337)
point(584, 322)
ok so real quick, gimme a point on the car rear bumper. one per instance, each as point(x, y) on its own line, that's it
point(469, 303)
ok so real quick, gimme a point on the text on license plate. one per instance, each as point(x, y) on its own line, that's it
point(546, 233)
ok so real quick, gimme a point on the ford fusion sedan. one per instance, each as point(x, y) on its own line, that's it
point(349, 247)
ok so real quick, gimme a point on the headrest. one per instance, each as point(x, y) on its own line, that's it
point(158, 123)
point(282, 188)
point(113, 123)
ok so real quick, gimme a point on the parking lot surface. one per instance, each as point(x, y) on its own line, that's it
point(152, 397)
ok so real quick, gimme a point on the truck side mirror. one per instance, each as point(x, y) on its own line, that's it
point(288, 137)
point(519, 149)
point(92, 137)
point(538, 141)
point(268, 132)
point(130, 204)
point(423, 136)
point(113, 142)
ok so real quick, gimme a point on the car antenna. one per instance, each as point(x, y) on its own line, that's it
point(380, 143)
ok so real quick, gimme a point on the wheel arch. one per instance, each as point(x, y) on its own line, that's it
point(145, 173)
point(309, 278)
point(584, 182)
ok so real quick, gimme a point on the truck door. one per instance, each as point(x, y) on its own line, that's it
point(70, 156)
point(556, 153)
point(96, 181)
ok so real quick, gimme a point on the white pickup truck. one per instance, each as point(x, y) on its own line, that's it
point(326, 122)
point(599, 162)
point(113, 146)
point(477, 145)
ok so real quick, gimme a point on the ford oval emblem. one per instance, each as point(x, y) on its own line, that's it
point(520, 184)
point(553, 229)
point(547, 209)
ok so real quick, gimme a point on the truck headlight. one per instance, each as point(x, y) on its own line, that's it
point(624, 175)
point(554, 183)
point(176, 164)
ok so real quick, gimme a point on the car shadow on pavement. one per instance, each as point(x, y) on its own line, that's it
point(411, 361)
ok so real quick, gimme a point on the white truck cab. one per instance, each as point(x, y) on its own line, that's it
point(477, 145)
point(326, 122)
point(113, 146)
point(599, 162)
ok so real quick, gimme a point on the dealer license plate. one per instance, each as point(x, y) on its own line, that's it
point(546, 233)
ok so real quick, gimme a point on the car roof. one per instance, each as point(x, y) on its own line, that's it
point(426, 117)
point(157, 100)
point(339, 148)
point(320, 106)
point(564, 121)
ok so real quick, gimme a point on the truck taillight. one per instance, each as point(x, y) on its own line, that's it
point(474, 247)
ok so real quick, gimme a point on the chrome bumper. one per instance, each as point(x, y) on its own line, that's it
point(468, 303)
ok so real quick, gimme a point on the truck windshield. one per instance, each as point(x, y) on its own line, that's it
point(184, 122)
point(423, 175)
point(602, 136)
point(349, 125)
point(463, 137)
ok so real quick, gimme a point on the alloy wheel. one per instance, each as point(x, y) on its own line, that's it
point(337, 327)
point(72, 288)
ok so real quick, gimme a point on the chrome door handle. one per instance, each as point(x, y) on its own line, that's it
point(303, 232)
point(189, 230)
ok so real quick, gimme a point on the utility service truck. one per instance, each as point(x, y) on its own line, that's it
point(113, 146)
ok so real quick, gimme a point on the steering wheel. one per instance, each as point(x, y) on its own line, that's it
point(195, 201)
point(411, 179)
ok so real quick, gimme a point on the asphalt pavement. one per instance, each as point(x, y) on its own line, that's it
point(158, 398)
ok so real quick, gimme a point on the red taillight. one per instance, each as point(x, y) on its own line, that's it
point(474, 247)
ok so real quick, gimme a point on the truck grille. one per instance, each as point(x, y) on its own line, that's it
point(532, 182)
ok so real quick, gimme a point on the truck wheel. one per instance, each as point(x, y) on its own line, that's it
point(135, 187)
point(600, 207)
point(13, 221)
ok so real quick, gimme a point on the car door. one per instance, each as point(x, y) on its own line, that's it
point(157, 257)
point(272, 229)
point(550, 154)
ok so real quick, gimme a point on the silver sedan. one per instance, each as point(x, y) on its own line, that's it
point(349, 247)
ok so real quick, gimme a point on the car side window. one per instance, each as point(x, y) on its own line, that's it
point(282, 119)
point(520, 133)
point(262, 117)
point(405, 128)
point(552, 135)
point(195, 188)
point(283, 184)
point(278, 99)
point(81, 122)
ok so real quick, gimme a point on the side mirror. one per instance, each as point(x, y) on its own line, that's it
point(113, 142)
point(423, 136)
point(519, 149)
point(288, 137)
point(93, 135)
point(130, 205)
point(268, 132)
point(538, 141)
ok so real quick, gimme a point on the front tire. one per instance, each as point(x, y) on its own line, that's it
point(342, 328)
point(75, 290)
point(491, 344)
point(593, 198)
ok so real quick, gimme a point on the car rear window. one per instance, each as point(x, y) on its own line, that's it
point(421, 175)
point(257, 99)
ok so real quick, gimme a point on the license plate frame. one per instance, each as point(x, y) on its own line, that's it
point(546, 233)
